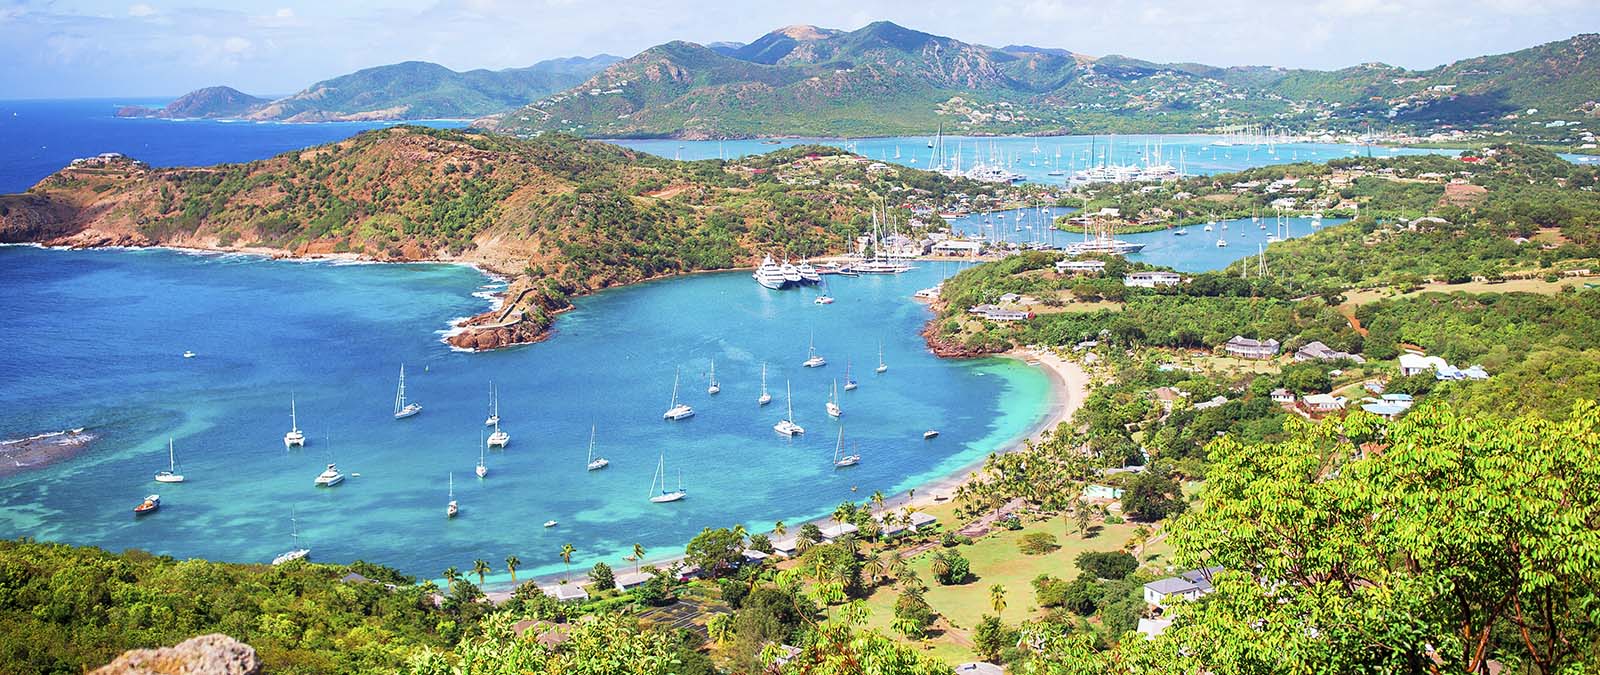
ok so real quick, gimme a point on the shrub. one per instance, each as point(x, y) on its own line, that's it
point(603, 578)
point(1037, 543)
point(1107, 564)
point(950, 568)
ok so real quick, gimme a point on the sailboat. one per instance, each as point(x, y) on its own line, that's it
point(847, 460)
point(765, 397)
point(664, 496)
point(882, 367)
point(813, 359)
point(786, 426)
point(482, 469)
point(494, 407)
point(849, 380)
point(402, 409)
point(171, 475)
point(713, 388)
point(295, 438)
point(678, 410)
point(498, 439)
point(595, 462)
point(295, 553)
point(451, 509)
point(833, 401)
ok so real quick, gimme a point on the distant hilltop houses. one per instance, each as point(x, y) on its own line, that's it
point(103, 159)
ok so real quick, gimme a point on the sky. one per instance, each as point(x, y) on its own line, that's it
point(117, 48)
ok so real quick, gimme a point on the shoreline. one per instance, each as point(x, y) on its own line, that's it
point(1069, 387)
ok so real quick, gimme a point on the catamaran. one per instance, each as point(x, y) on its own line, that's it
point(295, 438)
point(451, 509)
point(171, 475)
point(813, 359)
point(849, 380)
point(329, 477)
point(665, 496)
point(882, 367)
point(295, 553)
point(713, 388)
point(846, 460)
point(833, 401)
point(402, 409)
point(678, 410)
point(595, 462)
point(765, 397)
point(786, 426)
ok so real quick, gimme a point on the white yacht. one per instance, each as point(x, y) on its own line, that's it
point(482, 469)
point(765, 397)
point(677, 411)
point(451, 509)
point(1222, 243)
point(769, 274)
point(808, 274)
point(786, 426)
point(713, 388)
point(849, 380)
point(171, 475)
point(813, 359)
point(841, 461)
point(295, 438)
point(402, 409)
point(882, 367)
point(595, 463)
point(664, 495)
point(494, 407)
point(1211, 226)
point(329, 477)
point(498, 439)
point(296, 553)
point(791, 274)
point(833, 401)
point(188, 354)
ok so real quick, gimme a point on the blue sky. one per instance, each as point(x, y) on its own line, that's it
point(77, 48)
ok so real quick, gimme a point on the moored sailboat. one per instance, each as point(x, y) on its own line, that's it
point(402, 409)
point(786, 426)
point(713, 388)
point(765, 397)
point(833, 401)
point(882, 367)
point(677, 411)
point(171, 475)
point(664, 495)
point(813, 359)
point(452, 509)
point(839, 462)
point(595, 462)
point(295, 438)
point(296, 553)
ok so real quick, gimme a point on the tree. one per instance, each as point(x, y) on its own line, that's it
point(810, 534)
point(1151, 496)
point(950, 567)
point(989, 638)
point(715, 550)
point(480, 568)
point(638, 557)
point(1442, 541)
point(913, 615)
point(1107, 564)
point(720, 628)
point(451, 574)
point(877, 501)
point(602, 578)
point(997, 598)
point(512, 563)
point(1037, 543)
point(779, 529)
point(566, 558)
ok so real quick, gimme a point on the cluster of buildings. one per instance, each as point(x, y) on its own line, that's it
point(1417, 364)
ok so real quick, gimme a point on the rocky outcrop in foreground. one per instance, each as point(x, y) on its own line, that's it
point(214, 654)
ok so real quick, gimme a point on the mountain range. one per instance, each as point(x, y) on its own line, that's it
point(885, 79)
point(402, 91)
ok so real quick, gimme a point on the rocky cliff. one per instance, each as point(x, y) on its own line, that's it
point(214, 654)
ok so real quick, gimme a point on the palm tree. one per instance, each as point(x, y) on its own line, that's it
point(720, 628)
point(895, 566)
point(512, 563)
point(451, 574)
point(480, 568)
point(997, 598)
point(874, 565)
point(740, 532)
point(940, 566)
point(638, 557)
point(843, 511)
point(877, 500)
point(779, 528)
point(566, 557)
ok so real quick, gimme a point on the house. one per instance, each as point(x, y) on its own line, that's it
point(630, 580)
point(996, 313)
point(1373, 386)
point(1387, 411)
point(1248, 348)
point(958, 247)
point(1322, 403)
point(1010, 299)
point(1080, 266)
point(1101, 492)
point(754, 557)
point(1216, 401)
point(1151, 279)
point(890, 522)
point(1283, 396)
point(787, 546)
point(836, 531)
point(1167, 396)
point(1317, 351)
point(1152, 628)
point(565, 592)
point(1187, 586)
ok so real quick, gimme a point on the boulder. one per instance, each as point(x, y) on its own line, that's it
point(214, 654)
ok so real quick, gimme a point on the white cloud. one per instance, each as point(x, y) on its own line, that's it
point(235, 45)
point(141, 10)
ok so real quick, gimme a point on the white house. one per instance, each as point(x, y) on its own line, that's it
point(1416, 364)
point(890, 522)
point(1248, 348)
point(1322, 403)
point(1187, 586)
point(1151, 279)
point(1080, 266)
point(1317, 351)
point(958, 247)
point(565, 592)
point(1284, 396)
point(631, 579)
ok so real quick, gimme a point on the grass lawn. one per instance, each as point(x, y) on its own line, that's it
point(995, 559)
point(1364, 296)
point(1235, 366)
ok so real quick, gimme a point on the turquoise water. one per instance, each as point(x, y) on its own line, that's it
point(1195, 252)
point(94, 339)
point(1194, 154)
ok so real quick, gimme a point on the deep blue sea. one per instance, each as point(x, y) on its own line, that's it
point(94, 339)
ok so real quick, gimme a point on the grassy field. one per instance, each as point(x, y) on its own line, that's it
point(995, 559)
point(1364, 296)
